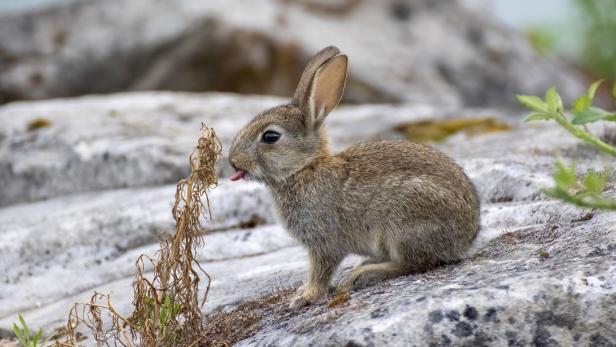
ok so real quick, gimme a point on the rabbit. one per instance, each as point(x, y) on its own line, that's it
point(405, 207)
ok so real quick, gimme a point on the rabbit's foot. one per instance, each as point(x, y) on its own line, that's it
point(307, 295)
point(369, 274)
point(301, 289)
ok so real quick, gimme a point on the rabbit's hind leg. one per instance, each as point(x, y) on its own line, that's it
point(368, 274)
point(368, 261)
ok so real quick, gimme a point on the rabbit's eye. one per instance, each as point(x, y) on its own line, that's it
point(270, 136)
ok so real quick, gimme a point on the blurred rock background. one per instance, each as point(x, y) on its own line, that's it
point(87, 181)
point(446, 52)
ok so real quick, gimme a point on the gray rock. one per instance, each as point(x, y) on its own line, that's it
point(265, 260)
point(446, 53)
point(540, 272)
point(92, 239)
point(142, 139)
point(545, 286)
point(95, 143)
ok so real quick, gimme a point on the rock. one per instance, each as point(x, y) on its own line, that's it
point(95, 143)
point(94, 238)
point(447, 53)
point(142, 139)
point(540, 272)
point(505, 295)
point(97, 236)
point(9, 343)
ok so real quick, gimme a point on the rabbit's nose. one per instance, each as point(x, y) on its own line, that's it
point(232, 163)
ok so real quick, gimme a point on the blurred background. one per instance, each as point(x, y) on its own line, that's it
point(461, 53)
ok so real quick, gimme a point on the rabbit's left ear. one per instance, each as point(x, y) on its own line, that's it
point(326, 90)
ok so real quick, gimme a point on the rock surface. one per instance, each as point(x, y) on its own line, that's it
point(56, 147)
point(541, 272)
point(445, 53)
point(507, 294)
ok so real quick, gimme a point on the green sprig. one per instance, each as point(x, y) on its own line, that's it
point(23, 334)
point(586, 192)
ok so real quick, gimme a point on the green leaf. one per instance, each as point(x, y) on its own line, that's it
point(594, 182)
point(593, 89)
point(565, 175)
point(533, 102)
point(149, 301)
point(16, 329)
point(553, 100)
point(21, 336)
point(167, 304)
point(537, 116)
point(581, 103)
point(585, 101)
point(614, 90)
point(163, 317)
point(24, 325)
point(591, 114)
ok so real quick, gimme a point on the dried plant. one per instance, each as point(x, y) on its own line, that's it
point(167, 302)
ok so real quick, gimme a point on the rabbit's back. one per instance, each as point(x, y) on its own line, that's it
point(376, 159)
point(407, 191)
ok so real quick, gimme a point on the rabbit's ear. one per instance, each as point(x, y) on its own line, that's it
point(303, 87)
point(326, 89)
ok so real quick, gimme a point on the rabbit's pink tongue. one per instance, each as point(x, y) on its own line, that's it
point(238, 175)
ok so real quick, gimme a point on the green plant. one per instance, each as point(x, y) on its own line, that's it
point(23, 334)
point(168, 312)
point(586, 35)
point(586, 191)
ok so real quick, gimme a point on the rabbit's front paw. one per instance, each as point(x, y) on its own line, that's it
point(301, 289)
point(306, 295)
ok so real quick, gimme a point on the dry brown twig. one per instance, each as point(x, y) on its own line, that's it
point(167, 305)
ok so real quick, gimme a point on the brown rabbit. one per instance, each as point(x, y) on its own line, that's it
point(406, 207)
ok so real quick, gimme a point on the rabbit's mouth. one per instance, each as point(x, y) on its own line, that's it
point(239, 174)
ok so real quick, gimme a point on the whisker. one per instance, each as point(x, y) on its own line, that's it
point(264, 178)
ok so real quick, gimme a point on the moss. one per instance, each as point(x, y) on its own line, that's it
point(38, 123)
point(438, 130)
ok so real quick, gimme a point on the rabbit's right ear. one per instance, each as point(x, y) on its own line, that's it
point(321, 86)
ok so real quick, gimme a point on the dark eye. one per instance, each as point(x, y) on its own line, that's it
point(270, 136)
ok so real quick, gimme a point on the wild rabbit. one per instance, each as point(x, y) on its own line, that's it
point(406, 207)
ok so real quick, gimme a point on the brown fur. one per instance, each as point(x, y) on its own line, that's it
point(406, 207)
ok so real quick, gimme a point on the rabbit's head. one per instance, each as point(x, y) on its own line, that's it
point(284, 139)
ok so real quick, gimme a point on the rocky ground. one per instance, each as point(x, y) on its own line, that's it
point(87, 184)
